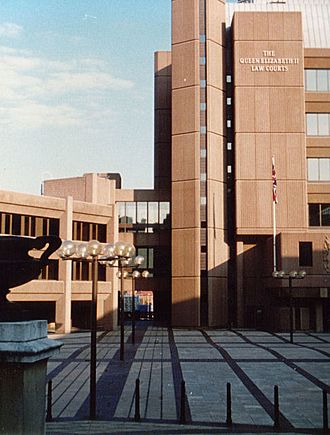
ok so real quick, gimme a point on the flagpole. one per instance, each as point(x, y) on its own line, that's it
point(274, 236)
point(274, 212)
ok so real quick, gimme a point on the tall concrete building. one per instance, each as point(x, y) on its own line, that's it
point(245, 84)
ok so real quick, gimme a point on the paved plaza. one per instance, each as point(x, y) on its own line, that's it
point(206, 359)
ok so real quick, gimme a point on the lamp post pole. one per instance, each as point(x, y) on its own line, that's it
point(121, 312)
point(133, 311)
point(290, 276)
point(94, 252)
point(291, 308)
point(92, 402)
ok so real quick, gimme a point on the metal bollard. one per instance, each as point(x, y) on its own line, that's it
point(137, 416)
point(229, 420)
point(276, 408)
point(325, 411)
point(49, 416)
point(183, 403)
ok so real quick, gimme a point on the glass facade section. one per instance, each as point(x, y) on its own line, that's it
point(319, 215)
point(121, 212)
point(153, 212)
point(131, 212)
point(164, 212)
point(143, 216)
point(325, 215)
point(142, 212)
point(318, 124)
point(317, 80)
point(318, 169)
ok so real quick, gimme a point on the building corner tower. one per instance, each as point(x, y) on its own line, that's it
point(198, 188)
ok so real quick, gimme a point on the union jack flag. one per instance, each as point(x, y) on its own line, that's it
point(274, 181)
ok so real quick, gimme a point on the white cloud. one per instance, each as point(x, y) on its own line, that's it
point(34, 115)
point(10, 30)
point(37, 91)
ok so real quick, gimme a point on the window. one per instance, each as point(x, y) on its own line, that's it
point(318, 169)
point(229, 146)
point(22, 225)
point(121, 212)
point(203, 129)
point(202, 38)
point(153, 212)
point(305, 254)
point(164, 212)
point(318, 124)
point(148, 255)
point(131, 212)
point(228, 101)
point(203, 176)
point(142, 216)
point(86, 231)
point(203, 200)
point(228, 78)
point(142, 212)
point(203, 83)
point(203, 107)
point(202, 60)
point(319, 215)
point(203, 153)
point(317, 80)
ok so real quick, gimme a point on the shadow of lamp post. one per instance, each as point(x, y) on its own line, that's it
point(114, 255)
point(280, 274)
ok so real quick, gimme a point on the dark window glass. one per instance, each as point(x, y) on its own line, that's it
point(94, 232)
point(26, 225)
point(7, 223)
point(33, 226)
point(314, 215)
point(102, 233)
point(54, 227)
point(84, 271)
point(16, 225)
point(85, 232)
point(102, 272)
point(305, 254)
point(325, 215)
point(150, 258)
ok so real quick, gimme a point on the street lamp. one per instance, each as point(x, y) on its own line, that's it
point(280, 274)
point(96, 253)
point(135, 273)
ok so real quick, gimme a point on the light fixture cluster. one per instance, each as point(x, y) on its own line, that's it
point(107, 253)
point(293, 274)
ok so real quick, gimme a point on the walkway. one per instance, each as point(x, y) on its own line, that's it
point(252, 361)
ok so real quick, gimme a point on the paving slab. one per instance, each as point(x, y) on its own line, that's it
point(251, 361)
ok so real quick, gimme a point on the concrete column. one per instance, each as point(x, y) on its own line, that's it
point(240, 284)
point(63, 307)
point(24, 351)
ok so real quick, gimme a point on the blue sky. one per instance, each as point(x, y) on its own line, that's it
point(76, 88)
